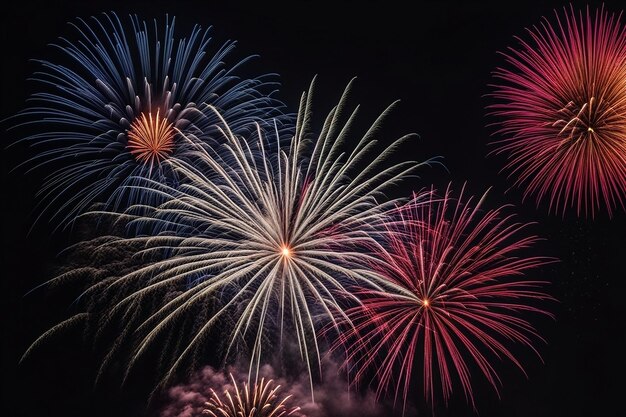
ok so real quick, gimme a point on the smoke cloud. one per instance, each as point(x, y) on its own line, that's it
point(332, 397)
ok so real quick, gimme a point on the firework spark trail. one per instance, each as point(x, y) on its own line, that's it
point(120, 100)
point(455, 291)
point(274, 239)
point(562, 112)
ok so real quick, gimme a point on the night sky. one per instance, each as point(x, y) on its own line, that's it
point(436, 57)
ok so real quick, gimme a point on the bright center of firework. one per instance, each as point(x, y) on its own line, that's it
point(150, 138)
point(426, 302)
point(286, 252)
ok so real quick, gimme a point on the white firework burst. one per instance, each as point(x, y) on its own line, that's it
point(270, 239)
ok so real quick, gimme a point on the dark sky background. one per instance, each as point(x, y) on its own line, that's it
point(436, 57)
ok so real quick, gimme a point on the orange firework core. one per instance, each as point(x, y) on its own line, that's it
point(150, 139)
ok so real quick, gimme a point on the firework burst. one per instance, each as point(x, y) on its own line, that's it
point(453, 299)
point(562, 110)
point(262, 401)
point(270, 238)
point(119, 101)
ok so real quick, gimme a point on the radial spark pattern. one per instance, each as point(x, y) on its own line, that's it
point(269, 238)
point(150, 139)
point(119, 99)
point(562, 111)
point(454, 299)
point(262, 401)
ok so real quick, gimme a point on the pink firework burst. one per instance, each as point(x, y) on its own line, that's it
point(453, 298)
point(562, 111)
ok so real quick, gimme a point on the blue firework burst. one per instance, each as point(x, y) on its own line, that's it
point(122, 100)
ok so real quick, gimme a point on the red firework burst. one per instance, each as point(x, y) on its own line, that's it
point(452, 299)
point(562, 111)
